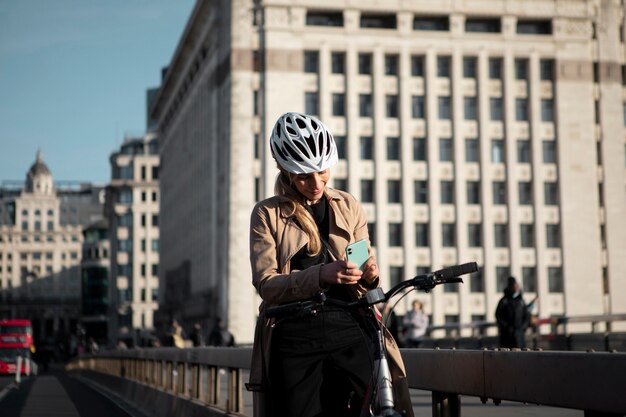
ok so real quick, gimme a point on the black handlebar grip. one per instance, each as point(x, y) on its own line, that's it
point(456, 270)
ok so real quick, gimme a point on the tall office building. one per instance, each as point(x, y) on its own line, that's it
point(41, 236)
point(132, 211)
point(487, 131)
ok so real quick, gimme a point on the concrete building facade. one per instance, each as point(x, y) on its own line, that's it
point(132, 212)
point(488, 131)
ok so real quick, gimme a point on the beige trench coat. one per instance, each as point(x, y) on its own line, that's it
point(274, 240)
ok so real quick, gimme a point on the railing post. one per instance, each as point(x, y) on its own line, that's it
point(446, 404)
point(235, 394)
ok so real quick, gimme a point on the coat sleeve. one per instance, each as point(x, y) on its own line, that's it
point(273, 286)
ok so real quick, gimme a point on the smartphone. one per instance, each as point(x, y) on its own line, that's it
point(357, 252)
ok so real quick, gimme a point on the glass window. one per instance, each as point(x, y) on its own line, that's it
point(553, 235)
point(445, 110)
point(497, 151)
point(311, 103)
point(367, 191)
point(342, 146)
point(495, 68)
point(155, 220)
point(447, 192)
point(534, 27)
point(419, 149)
point(499, 192)
point(502, 275)
point(470, 108)
point(523, 151)
point(529, 278)
point(155, 245)
point(551, 194)
point(521, 69)
point(448, 235)
point(365, 63)
point(555, 279)
point(420, 191)
point(473, 192)
point(391, 64)
point(443, 66)
point(482, 25)
point(441, 23)
point(324, 18)
point(255, 102)
point(340, 184)
point(417, 65)
point(471, 150)
point(549, 151)
point(366, 148)
point(418, 107)
point(371, 231)
point(339, 104)
point(395, 234)
point(527, 235)
point(525, 193)
point(394, 191)
point(391, 105)
point(421, 235)
point(547, 110)
point(501, 235)
point(474, 235)
point(379, 20)
point(546, 70)
point(477, 282)
point(396, 275)
point(495, 109)
point(338, 62)
point(445, 149)
point(521, 109)
point(469, 67)
point(365, 105)
point(393, 148)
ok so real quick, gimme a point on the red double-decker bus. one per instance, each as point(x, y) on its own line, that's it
point(16, 339)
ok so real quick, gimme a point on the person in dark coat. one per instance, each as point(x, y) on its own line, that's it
point(220, 336)
point(512, 316)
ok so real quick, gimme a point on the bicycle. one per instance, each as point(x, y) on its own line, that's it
point(379, 401)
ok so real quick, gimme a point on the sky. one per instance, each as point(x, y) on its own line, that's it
point(73, 79)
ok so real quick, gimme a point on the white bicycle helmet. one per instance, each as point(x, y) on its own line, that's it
point(302, 144)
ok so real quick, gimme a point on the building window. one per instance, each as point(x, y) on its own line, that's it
point(445, 110)
point(311, 62)
point(417, 65)
point(501, 235)
point(394, 191)
point(482, 25)
point(553, 235)
point(447, 192)
point(549, 151)
point(24, 225)
point(448, 235)
point(499, 192)
point(339, 104)
point(341, 184)
point(396, 275)
point(445, 150)
point(338, 62)
point(379, 21)
point(366, 148)
point(477, 281)
point(495, 109)
point(495, 68)
point(419, 149)
point(521, 69)
point(324, 18)
point(527, 235)
point(155, 172)
point(529, 278)
point(342, 146)
point(502, 275)
point(551, 194)
point(474, 235)
point(420, 191)
point(391, 64)
point(311, 103)
point(523, 151)
point(546, 70)
point(469, 67)
point(365, 105)
point(439, 23)
point(497, 151)
point(367, 191)
point(473, 192)
point(155, 270)
point(391, 105)
point(155, 220)
point(143, 245)
point(143, 270)
point(393, 148)
point(155, 245)
point(471, 150)
point(525, 193)
point(255, 102)
point(418, 107)
point(534, 27)
point(443, 66)
point(470, 111)
point(371, 232)
point(547, 110)
point(521, 109)
point(365, 64)
point(395, 234)
point(555, 279)
point(421, 235)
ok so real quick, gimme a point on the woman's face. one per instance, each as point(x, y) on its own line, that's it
point(312, 185)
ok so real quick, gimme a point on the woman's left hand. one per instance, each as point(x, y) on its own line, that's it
point(370, 270)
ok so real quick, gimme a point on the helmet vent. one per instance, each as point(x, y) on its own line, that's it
point(293, 153)
point(300, 123)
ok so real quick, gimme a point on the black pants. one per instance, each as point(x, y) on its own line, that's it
point(320, 365)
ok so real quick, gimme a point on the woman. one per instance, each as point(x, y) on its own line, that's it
point(316, 365)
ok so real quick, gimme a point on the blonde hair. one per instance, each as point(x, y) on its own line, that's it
point(292, 203)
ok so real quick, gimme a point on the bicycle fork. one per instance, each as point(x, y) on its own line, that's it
point(383, 391)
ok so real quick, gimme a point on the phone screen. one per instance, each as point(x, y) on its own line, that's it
point(357, 252)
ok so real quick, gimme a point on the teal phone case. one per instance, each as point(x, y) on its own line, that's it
point(357, 252)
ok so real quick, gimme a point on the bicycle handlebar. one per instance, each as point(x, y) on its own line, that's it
point(424, 282)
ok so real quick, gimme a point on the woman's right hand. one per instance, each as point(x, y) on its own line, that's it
point(340, 272)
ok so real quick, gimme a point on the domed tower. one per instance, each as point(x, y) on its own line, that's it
point(39, 178)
